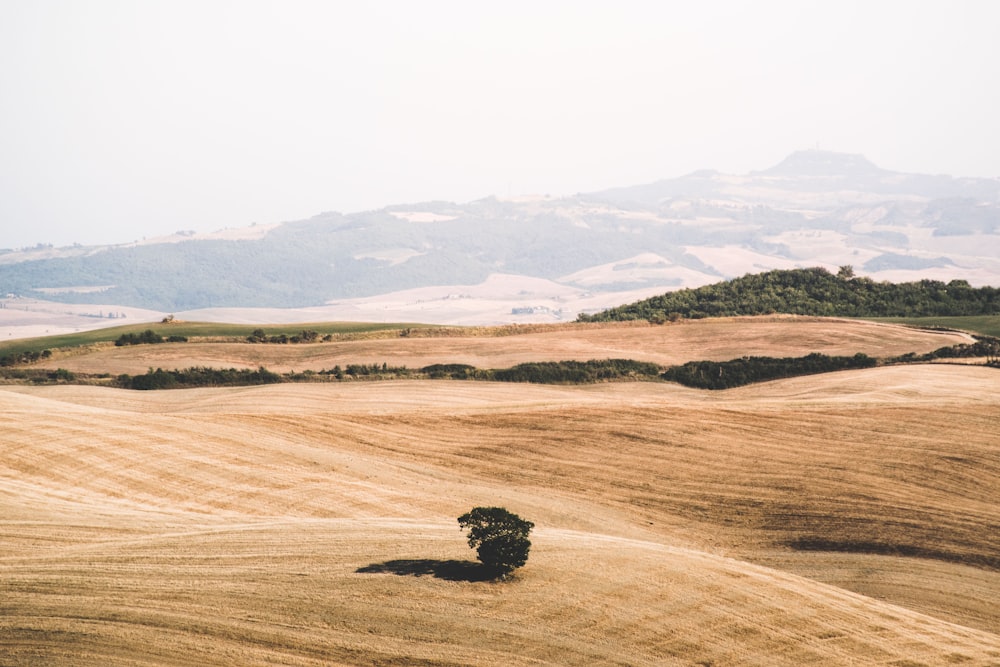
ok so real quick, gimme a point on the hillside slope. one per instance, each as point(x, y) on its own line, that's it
point(315, 524)
point(717, 339)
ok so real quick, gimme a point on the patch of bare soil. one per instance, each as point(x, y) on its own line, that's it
point(848, 518)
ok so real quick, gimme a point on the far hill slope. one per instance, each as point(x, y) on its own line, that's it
point(315, 524)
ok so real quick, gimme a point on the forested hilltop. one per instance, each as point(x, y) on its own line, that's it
point(813, 291)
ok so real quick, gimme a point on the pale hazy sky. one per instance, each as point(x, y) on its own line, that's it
point(131, 118)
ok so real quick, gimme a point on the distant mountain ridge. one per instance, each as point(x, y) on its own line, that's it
point(816, 163)
point(814, 208)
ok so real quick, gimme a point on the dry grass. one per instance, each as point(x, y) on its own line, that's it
point(715, 339)
point(315, 524)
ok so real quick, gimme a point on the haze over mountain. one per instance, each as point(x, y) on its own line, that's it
point(550, 257)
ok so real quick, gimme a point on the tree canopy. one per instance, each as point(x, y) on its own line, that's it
point(813, 291)
point(499, 537)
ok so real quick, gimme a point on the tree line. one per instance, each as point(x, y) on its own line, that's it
point(147, 337)
point(198, 377)
point(577, 372)
point(813, 291)
point(559, 372)
point(26, 357)
point(304, 336)
point(984, 346)
point(749, 370)
point(697, 374)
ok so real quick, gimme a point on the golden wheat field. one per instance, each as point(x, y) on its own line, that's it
point(851, 518)
point(714, 339)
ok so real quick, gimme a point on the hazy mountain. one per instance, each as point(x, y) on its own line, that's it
point(814, 208)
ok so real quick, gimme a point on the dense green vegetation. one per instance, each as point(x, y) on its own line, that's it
point(39, 375)
point(813, 291)
point(21, 357)
point(562, 372)
point(577, 372)
point(198, 377)
point(147, 337)
point(450, 371)
point(748, 370)
point(304, 336)
point(381, 371)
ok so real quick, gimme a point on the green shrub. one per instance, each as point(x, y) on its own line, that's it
point(577, 372)
point(198, 377)
point(62, 375)
point(25, 357)
point(452, 371)
point(147, 337)
point(739, 372)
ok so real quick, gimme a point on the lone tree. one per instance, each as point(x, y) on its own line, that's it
point(499, 537)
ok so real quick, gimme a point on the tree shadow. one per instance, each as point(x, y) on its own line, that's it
point(449, 570)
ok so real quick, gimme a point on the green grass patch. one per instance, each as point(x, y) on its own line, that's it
point(193, 330)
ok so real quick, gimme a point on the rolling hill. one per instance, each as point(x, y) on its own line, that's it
point(847, 518)
point(716, 339)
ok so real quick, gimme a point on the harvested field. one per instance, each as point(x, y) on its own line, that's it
point(712, 339)
point(848, 518)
